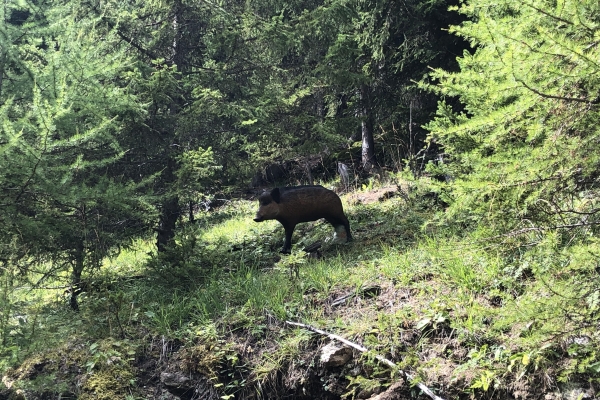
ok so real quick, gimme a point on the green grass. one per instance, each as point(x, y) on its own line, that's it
point(457, 310)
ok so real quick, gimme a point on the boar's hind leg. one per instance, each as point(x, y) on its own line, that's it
point(347, 227)
point(338, 224)
point(287, 245)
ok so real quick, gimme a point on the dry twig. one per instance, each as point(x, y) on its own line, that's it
point(362, 349)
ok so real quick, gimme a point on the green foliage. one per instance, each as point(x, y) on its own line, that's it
point(196, 167)
point(110, 370)
point(453, 306)
point(115, 115)
point(66, 202)
point(522, 149)
point(524, 173)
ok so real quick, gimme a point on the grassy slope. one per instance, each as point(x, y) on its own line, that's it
point(470, 317)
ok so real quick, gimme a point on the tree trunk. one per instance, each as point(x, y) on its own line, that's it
point(78, 264)
point(368, 160)
point(5, 300)
point(2, 65)
point(191, 211)
point(167, 222)
point(170, 211)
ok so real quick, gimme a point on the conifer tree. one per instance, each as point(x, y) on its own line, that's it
point(167, 40)
point(358, 62)
point(64, 198)
point(524, 152)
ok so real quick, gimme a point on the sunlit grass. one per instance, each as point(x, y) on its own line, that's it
point(131, 259)
point(228, 276)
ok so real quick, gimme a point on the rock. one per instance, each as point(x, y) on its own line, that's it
point(182, 385)
point(7, 381)
point(166, 395)
point(174, 379)
point(334, 355)
point(577, 393)
point(394, 392)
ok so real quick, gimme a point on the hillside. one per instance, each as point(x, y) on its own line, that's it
point(467, 316)
point(465, 136)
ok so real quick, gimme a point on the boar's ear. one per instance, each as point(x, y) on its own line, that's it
point(275, 195)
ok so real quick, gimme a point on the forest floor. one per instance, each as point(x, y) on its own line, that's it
point(213, 318)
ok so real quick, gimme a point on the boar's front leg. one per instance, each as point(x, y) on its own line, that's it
point(287, 245)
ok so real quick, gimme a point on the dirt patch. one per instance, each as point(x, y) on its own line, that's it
point(373, 196)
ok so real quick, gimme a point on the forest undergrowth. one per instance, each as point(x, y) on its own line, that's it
point(466, 313)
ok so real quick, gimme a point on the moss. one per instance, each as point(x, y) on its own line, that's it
point(110, 372)
point(113, 383)
point(30, 368)
point(35, 378)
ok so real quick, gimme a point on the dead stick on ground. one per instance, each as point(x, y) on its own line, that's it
point(362, 349)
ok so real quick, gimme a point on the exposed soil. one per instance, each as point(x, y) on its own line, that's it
point(373, 196)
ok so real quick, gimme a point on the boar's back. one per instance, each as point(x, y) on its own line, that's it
point(308, 203)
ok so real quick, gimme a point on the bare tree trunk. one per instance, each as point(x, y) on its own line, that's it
point(5, 300)
point(170, 210)
point(368, 160)
point(2, 65)
point(344, 175)
point(78, 264)
point(167, 222)
point(191, 211)
point(320, 104)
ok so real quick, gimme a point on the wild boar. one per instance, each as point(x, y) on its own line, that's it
point(293, 205)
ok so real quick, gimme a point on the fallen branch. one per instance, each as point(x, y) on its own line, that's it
point(362, 349)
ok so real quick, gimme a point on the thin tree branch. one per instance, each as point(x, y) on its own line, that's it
point(362, 349)
point(550, 96)
point(548, 14)
point(522, 231)
point(592, 212)
point(121, 34)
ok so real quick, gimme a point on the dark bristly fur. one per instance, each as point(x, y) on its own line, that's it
point(293, 205)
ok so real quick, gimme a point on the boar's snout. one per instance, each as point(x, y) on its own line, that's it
point(258, 218)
